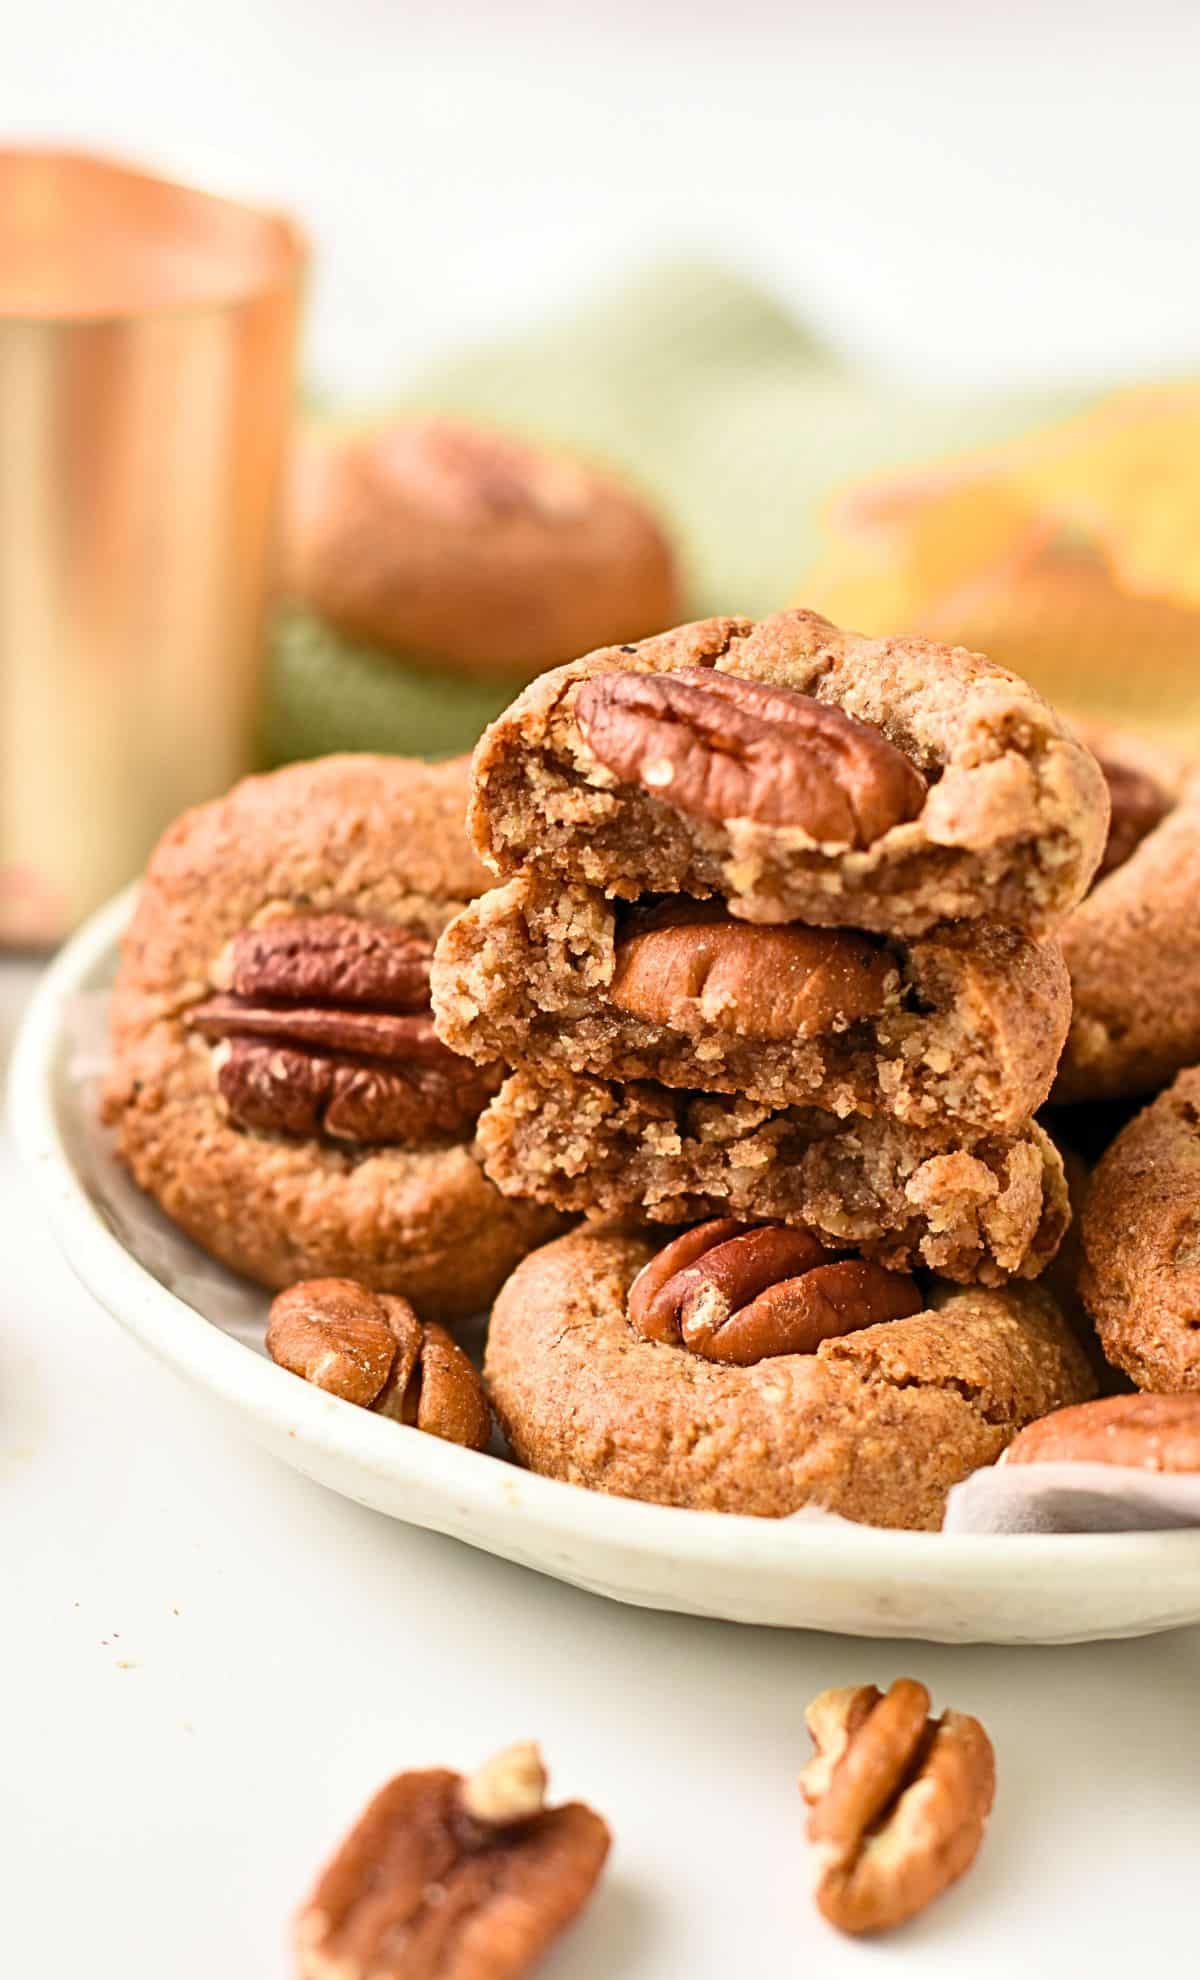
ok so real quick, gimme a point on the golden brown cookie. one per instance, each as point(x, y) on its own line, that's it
point(276, 1083)
point(802, 773)
point(962, 1025)
point(468, 549)
point(1147, 1433)
point(877, 1424)
point(1131, 946)
point(986, 1210)
point(1140, 1232)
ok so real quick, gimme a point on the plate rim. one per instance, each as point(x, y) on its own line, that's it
point(202, 1353)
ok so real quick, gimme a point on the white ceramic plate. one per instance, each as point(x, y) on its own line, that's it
point(858, 1580)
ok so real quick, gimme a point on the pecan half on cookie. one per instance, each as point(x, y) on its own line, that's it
point(963, 1025)
point(830, 1403)
point(276, 1082)
point(325, 1028)
point(446, 1877)
point(898, 1801)
point(802, 773)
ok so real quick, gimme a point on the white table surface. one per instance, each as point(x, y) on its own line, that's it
point(210, 1663)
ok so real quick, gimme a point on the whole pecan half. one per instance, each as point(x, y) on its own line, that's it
point(739, 1293)
point(446, 1878)
point(1146, 1432)
point(1138, 805)
point(687, 964)
point(371, 1349)
point(323, 1026)
point(719, 746)
point(898, 1801)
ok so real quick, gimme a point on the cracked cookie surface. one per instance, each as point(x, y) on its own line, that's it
point(988, 1211)
point(1010, 818)
point(876, 1425)
point(305, 1191)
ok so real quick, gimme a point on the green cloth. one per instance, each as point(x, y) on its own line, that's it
point(719, 404)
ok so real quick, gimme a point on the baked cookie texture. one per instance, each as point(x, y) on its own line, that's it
point(1140, 1233)
point(368, 838)
point(468, 550)
point(1009, 816)
point(876, 1425)
point(985, 1211)
point(963, 1025)
point(1133, 953)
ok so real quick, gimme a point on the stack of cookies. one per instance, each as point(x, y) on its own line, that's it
point(774, 950)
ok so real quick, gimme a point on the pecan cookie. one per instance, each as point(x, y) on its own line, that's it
point(726, 1381)
point(802, 773)
point(1141, 1433)
point(987, 1210)
point(962, 1025)
point(431, 569)
point(1140, 1234)
point(1131, 947)
point(276, 1082)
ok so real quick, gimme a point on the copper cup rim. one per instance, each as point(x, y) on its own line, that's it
point(282, 253)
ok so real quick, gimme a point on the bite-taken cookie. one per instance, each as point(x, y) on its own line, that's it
point(432, 568)
point(276, 1081)
point(1132, 947)
point(802, 773)
point(962, 1025)
point(987, 1210)
point(748, 1370)
point(1140, 1235)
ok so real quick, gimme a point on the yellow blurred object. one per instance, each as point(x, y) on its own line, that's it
point(1071, 555)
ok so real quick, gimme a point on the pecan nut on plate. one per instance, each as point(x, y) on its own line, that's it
point(371, 1349)
point(276, 1081)
point(452, 1878)
point(898, 1801)
point(800, 772)
point(751, 1369)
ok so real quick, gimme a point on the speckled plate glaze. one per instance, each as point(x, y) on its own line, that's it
point(787, 1573)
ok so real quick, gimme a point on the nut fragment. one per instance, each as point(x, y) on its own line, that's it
point(740, 1293)
point(899, 1801)
point(1138, 805)
point(322, 1027)
point(1148, 1432)
point(430, 1885)
point(371, 1349)
point(688, 964)
point(719, 746)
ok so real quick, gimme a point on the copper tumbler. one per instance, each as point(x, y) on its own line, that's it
point(147, 340)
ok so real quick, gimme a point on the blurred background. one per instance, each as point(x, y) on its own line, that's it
point(890, 309)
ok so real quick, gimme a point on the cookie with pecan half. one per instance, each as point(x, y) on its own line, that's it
point(800, 772)
point(1131, 947)
point(984, 1209)
point(276, 1080)
point(963, 1025)
point(749, 1371)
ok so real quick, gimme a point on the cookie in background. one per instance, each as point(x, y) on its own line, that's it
point(430, 569)
point(1068, 555)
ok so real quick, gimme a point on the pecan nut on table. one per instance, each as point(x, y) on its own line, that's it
point(452, 1878)
point(898, 1801)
